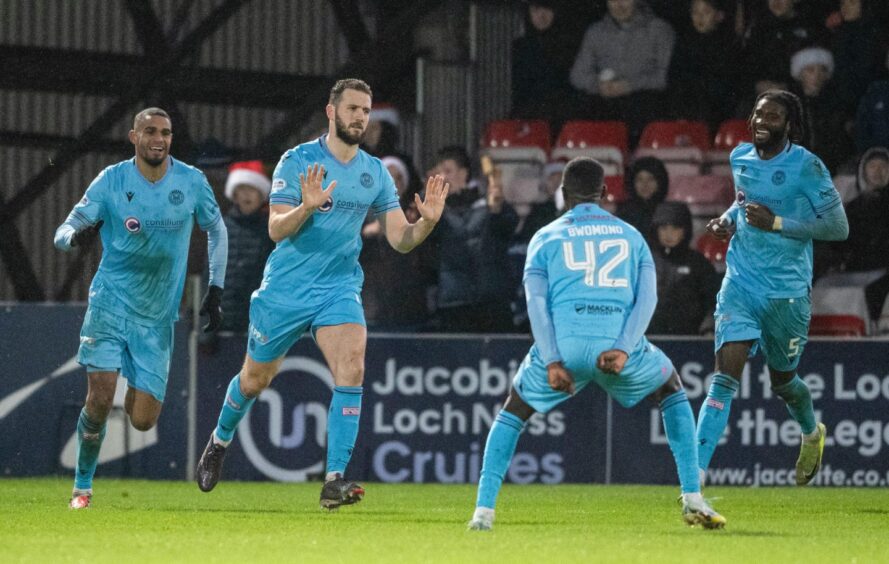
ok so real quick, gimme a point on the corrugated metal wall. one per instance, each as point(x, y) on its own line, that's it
point(291, 36)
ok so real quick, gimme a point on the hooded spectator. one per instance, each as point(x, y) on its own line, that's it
point(646, 187)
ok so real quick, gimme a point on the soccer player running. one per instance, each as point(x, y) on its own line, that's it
point(784, 198)
point(144, 209)
point(591, 291)
point(313, 279)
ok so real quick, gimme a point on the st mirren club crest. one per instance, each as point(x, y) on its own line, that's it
point(741, 197)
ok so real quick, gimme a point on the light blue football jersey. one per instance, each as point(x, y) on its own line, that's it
point(145, 236)
point(794, 184)
point(323, 254)
point(592, 261)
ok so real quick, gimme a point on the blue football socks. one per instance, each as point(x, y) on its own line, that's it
point(342, 427)
point(799, 403)
point(679, 424)
point(234, 408)
point(713, 416)
point(89, 441)
point(499, 449)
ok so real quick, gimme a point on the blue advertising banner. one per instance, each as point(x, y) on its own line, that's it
point(428, 404)
point(43, 389)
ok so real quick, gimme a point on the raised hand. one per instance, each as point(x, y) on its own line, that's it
point(612, 361)
point(432, 206)
point(313, 195)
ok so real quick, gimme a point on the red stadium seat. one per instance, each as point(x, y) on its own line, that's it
point(731, 133)
point(616, 192)
point(675, 134)
point(514, 133)
point(837, 325)
point(705, 194)
point(520, 149)
point(605, 141)
point(713, 249)
point(680, 144)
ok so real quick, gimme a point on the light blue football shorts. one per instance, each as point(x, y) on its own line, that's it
point(779, 325)
point(646, 370)
point(111, 343)
point(275, 327)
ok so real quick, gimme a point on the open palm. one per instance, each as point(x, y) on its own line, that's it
point(432, 206)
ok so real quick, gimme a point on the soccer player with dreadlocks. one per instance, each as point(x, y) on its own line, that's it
point(784, 199)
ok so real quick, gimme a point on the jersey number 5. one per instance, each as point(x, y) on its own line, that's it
point(601, 278)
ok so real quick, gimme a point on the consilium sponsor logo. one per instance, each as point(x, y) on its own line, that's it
point(164, 224)
point(302, 463)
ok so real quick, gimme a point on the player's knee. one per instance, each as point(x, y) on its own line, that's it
point(255, 381)
point(99, 404)
point(350, 373)
point(142, 422)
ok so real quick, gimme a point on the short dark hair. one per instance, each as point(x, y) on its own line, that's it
point(150, 112)
point(582, 180)
point(793, 107)
point(348, 84)
point(456, 153)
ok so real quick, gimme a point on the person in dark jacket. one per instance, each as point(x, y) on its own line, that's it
point(541, 61)
point(471, 239)
point(249, 245)
point(704, 69)
point(646, 187)
point(686, 281)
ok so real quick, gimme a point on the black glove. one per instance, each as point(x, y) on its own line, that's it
point(84, 237)
point(212, 307)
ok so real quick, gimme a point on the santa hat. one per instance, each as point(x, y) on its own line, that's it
point(250, 173)
point(399, 166)
point(810, 56)
point(385, 112)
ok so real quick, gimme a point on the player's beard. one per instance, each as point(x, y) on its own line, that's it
point(775, 141)
point(154, 162)
point(346, 136)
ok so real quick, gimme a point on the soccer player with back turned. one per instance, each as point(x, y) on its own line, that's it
point(143, 209)
point(313, 279)
point(591, 289)
point(784, 198)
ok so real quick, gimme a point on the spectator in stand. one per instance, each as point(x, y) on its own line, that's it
point(247, 188)
point(541, 214)
point(541, 62)
point(382, 138)
point(826, 122)
point(396, 285)
point(872, 120)
point(686, 281)
point(646, 187)
point(773, 37)
point(703, 71)
point(857, 51)
point(472, 239)
point(622, 65)
point(867, 247)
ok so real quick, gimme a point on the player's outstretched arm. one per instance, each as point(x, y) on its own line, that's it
point(284, 220)
point(402, 235)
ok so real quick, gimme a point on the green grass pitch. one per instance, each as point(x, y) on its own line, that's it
point(150, 521)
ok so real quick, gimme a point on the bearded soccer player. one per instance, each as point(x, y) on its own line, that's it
point(143, 209)
point(313, 279)
point(784, 198)
point(592, 258)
